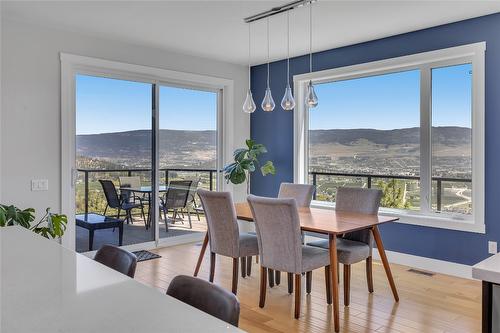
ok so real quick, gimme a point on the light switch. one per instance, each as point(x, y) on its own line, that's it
point(39, 184)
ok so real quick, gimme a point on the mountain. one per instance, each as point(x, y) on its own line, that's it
point(451, 136)
point(133, 148)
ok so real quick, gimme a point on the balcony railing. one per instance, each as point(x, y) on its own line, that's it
point(369, 178)
point(131, 172)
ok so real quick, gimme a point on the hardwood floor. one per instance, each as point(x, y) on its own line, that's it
point(435, 304)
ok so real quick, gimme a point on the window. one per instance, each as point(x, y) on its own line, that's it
point(411, 126)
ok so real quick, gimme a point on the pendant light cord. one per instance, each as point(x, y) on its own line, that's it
point(268, 52)
point(288, 48)
point(310, 38)
point(249, 46)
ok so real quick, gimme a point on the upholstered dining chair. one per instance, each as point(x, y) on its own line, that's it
point(223, 233)
point(118, 259)
point(280, 245)
point(206, 297)
point(355, 246)
point(303, 194)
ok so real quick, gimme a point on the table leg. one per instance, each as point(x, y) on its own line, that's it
point(91, 239)
point(120, 234)
point(202, 254)
point(332, 240)
point(383, 257)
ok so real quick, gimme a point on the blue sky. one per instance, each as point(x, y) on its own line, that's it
point(381, 102)
point(107, 105)
point(393, 100)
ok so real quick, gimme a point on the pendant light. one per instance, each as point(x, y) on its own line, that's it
point(249, 105)
point(268, 102)
point(288, 102)
point(311, 98)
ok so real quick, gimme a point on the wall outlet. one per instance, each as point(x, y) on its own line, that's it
point(39, 184)
point(492, 247)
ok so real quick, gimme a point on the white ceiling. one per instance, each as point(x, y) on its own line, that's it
point(215, 29)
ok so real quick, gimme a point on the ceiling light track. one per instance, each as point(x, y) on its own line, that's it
point(278, 10)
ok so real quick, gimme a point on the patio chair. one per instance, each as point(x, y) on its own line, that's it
point(175, 199)
point(191, 205)
point(113, 200)
point(133, 182)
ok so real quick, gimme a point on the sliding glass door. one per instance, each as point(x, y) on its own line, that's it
point(187, 156)
point(122, 127)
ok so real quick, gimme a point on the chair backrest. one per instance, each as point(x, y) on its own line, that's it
point(110, 193)
point(222, 224)
point(118, 259)
point(207, 297)
point(177, 193)
point(134, 181)
point(278, 232)
point(358, 200)
point(302, 193)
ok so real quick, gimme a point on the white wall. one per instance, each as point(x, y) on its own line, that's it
point(30, 139)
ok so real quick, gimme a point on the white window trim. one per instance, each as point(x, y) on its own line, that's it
point(472, 53)
point(71, 65)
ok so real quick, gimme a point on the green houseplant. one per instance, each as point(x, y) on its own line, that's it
point(246, 161)
point(49, 226)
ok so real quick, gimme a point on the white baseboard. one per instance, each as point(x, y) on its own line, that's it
point(423, 263)
point(427, 264)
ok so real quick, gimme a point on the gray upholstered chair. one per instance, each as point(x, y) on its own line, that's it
point(223, 233)
point(206, 297)
point(355, 246)
point(303, 194)
point(280, 245)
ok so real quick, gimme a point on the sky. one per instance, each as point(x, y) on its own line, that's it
point(381, 102)
point(393, 100)
point(107, 105)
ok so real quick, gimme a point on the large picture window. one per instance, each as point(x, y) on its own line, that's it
point(411, 126)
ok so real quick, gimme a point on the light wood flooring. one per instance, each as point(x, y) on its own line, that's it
point(436, 304)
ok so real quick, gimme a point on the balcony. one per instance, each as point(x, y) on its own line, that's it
point(90, 199)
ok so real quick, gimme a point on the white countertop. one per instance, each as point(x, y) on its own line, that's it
point(47, 288)
point(488, 269)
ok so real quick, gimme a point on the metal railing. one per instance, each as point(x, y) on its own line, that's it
point(130, 172)
point(369, 177)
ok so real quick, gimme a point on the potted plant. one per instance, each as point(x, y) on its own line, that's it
point(246, 161)
point(49, 226)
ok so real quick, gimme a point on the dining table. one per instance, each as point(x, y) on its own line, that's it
point(333, 224)
point(145, 190)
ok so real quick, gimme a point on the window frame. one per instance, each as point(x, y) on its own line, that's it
point(425, 62)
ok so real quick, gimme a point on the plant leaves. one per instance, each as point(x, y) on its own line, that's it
point(268, 168)
point(250, 143)
point(239, 154)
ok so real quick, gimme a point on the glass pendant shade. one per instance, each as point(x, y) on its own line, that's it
point(249, 105)
point(311, 98)
point(268, 101)
point(288, 103)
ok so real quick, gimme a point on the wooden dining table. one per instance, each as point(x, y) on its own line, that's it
point(332, 223)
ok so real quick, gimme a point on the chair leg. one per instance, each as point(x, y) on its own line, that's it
point(189, 219)
point(198, 216)
point(298, 283)
point(308, 282)
point(212, 267)
point(290, 282)
point(144, 216)
point(234, 287)
point(328, 284)
point(249, 265)
point(243, 267)
point(263, 285)
point(277, 277)
point(347, 282)
point(105, 210)
point(369, 274)
point(270, 272)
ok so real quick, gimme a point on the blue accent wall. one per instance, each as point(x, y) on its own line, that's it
point(275, 130)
